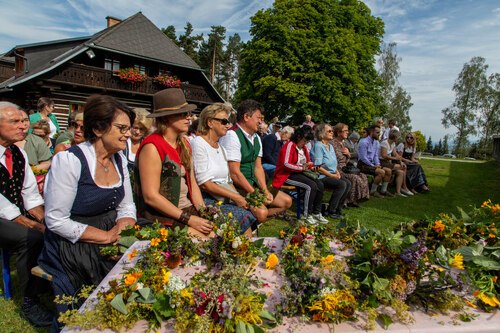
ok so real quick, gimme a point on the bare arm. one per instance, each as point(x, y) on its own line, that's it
point(238, 178)
point(195, 190)
point(43, 165)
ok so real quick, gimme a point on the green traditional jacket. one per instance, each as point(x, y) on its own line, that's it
point(249, 154)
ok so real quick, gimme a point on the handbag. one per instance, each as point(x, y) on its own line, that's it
point(311, 174)
point(350, 168)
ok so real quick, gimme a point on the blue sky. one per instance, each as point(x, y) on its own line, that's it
point(435, 37)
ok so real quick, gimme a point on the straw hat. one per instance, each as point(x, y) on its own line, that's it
point(169, 102)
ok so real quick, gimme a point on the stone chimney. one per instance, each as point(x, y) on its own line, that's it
point(111, 21)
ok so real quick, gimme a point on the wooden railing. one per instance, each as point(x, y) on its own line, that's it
point(101, 78)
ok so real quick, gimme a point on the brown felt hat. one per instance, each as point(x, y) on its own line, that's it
point(169, 102)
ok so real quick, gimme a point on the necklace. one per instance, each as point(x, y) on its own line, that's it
point(106, 168)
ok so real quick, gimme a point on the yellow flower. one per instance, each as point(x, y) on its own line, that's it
point(489, 300)
point(327, 260)
point(165, 275)
point(230, 215)
point(110, 296)
point(282, 233)
point(438, 226)
point(272, 261)
point(187, 293)
point(155, 241)
point(132, 254)
point(458, 261)
point(136, 227)
point(219, 203)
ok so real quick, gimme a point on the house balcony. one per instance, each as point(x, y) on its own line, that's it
point(99, 78)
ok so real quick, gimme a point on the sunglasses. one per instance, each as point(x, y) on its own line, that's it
point(123, 128)
point(410, 137)
point(223, 121)
point(185, 114)
point(76, 126)
point(330, 131)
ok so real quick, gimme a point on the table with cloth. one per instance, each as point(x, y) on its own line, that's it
point(272, 280)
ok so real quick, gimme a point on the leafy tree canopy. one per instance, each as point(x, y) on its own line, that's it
point(314, 57)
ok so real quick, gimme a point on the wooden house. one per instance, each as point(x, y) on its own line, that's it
point(70, 70)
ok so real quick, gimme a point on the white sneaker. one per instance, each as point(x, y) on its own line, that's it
point(406, 192)
point(319, 218)
point(400, 195)
point(311, 220)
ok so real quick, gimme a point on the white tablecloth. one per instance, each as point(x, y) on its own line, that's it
point(485, 323)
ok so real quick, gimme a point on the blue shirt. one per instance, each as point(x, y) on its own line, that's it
point(368, 151)
point(325, 158)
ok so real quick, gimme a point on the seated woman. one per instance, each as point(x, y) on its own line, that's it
point(415, 176)
point(88, 199)
point(292, 162)
point(78, 135)
point(351, 143)
point(360, 189)
point(140, 129)
point(211, 169)
point(166, 187)
point(325, 159)
point(389, 158)
point(41, 129)
point(38, 153)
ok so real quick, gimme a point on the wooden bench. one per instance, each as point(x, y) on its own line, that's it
point(38, 271)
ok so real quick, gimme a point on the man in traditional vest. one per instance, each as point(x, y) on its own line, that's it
point(244, 153)
point(21, 211)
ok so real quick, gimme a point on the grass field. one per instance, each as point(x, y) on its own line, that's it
point(453, 183)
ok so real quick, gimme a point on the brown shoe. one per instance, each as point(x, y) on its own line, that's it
point(376, 195)
point(387, 194)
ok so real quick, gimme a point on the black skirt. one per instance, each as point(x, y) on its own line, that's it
point(415, 176)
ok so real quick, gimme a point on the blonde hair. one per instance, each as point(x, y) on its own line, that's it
point(185, 152)
point(43, 125)
point(208, 113)
point(141, 118)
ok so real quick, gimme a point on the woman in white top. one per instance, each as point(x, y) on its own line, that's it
point(88, 199)
point(211, 168)
point(140, 129)
point(389, 158)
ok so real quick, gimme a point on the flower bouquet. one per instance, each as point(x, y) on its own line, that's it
point(131, 75)
point(257, 198)
point(170, 81)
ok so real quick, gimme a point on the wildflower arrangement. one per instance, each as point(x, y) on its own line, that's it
point(131, 75)
point(39, 171)
point(228, 246)
point(257, 198)
point(170, 81)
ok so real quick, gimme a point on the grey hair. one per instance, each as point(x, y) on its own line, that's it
point(321, 131)
point(354, 135)
point(394, 134)
point(288, 129)
point(6, 105)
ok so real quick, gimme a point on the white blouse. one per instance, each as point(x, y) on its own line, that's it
point(61, 185)
point(209, 163)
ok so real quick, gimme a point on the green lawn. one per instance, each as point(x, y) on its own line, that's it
point(453, 183)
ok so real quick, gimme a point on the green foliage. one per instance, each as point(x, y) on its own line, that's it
point(313, 57)
point(170, 33)
point(420, 141)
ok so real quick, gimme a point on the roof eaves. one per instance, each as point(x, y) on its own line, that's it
point(58, 41)
point(210, 83)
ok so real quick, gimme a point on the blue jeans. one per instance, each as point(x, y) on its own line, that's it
point(269, 170)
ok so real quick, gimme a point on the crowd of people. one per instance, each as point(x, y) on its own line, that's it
point(116, 167)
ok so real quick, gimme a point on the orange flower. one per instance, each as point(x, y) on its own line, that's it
point(303, 230)
point(155, 241)
point(469, 303)
point(438, 226)
point(486, 204)
point(132, 278)
point(132, 254)
point(136, 227)
point(327, 260)
point(272, 261)
point(495, 209)
point(164, 233)
point(492, 236)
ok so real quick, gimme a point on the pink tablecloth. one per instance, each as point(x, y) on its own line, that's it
point(485, 323)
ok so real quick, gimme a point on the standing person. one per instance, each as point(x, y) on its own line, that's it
point(308, 121)
point(140, 129)
point(369, 162)
point(45, 108)
point(166, 187)
point(88, 199)
point(212, 172)
point(293, 161)
point(326, 161)
point(21, 211)
point(392, 126)
point(360, 189)
point(77, 137)
point(415, 176)
point(392, 160)
point(244, 153)
point(380, 123)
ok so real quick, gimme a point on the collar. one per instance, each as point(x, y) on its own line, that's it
point(248, 136)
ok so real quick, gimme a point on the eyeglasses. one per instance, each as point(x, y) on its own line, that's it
point(223, 121)
point(330, 131)
point(123, 128)
point(410, 137)
point(77, 126)
point(346, 130)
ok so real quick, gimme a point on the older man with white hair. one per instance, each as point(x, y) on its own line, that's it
point(21, 211)
point(271, 146)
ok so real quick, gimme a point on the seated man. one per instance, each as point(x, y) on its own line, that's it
point(271, 146)
point(244, 154)
point(369, 162)
point(21, 211)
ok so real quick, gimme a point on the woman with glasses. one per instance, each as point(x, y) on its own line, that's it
point(88, 199)
point(415, 176)
point(140, 129)
point(45, 108)
point(78, 135)
point(360, 189)
point(291, 169)
point(212, 171)
point(166, 187)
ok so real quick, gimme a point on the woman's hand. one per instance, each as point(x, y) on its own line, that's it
point(307, 166)
point(240, 201)
point(200, 224)
point(112, 235)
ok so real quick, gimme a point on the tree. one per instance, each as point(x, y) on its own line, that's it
point(489, 115)
point(313, 57)
point(419, 141)
point(189, 43)
point(230, 64)
point(469, 89)
point(438, 149)
point(211, 53)
point(429, 145)
point(170, 33)
point(445, 149)
point(397, 102)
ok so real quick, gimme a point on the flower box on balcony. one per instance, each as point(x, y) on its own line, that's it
point(169, 81)
point(131, 75)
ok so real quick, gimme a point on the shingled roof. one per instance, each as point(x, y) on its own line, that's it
point(135, 36)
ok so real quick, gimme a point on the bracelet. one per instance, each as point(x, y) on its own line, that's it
point(184, 218)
